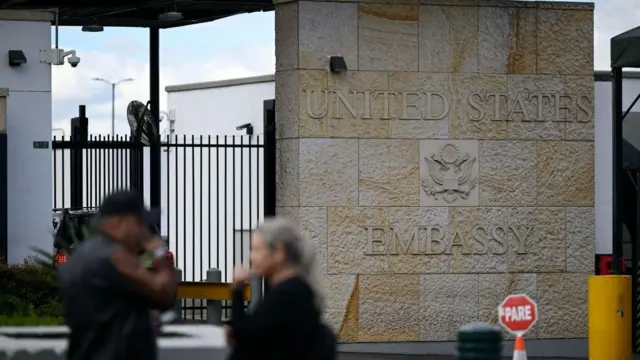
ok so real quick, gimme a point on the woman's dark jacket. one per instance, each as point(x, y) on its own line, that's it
point(285, 326)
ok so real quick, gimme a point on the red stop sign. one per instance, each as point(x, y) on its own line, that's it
point(518, 313)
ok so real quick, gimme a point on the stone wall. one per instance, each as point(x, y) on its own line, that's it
point(451, 165)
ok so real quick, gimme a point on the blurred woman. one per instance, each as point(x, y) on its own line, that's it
point(286, 324)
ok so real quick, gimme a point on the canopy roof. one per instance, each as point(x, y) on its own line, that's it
point(139, 13)
point(625, 49)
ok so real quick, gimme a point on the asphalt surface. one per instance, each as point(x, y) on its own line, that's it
point(354, 356)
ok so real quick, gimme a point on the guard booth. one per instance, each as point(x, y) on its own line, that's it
point(625, 53)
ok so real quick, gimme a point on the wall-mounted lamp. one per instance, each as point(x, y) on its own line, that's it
point(248, 127)
point(93, 28)
point(17, 58)
point(337, 64)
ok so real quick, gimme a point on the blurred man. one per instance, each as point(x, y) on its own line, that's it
point(107, 295)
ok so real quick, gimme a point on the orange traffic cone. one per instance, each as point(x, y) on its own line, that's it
point(519, 353)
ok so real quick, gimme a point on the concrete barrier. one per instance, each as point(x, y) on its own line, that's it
point(177, 342)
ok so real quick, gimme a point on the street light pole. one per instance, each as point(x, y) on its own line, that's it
point(113, 99)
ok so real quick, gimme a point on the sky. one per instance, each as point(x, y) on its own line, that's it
point(238, 46)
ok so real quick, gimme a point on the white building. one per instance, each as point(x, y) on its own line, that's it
point(212, 195)
point(28, 120)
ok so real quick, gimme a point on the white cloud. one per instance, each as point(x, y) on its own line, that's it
point(73, 86)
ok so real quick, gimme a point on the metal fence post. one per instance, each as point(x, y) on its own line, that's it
point(214, 307)
point(177, 307)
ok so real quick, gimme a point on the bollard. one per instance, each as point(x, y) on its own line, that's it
point(214, 307)
point(177, 307)
point(479, 342)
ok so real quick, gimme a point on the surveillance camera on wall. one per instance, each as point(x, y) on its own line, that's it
point(57, 56)
point(73, 61)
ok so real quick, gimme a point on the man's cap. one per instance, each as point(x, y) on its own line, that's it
point(124, 202)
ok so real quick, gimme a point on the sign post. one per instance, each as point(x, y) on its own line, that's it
point(517, 314)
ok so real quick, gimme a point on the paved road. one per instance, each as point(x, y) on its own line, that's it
point(353, 356)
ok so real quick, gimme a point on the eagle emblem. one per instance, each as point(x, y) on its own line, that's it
point(450, 174)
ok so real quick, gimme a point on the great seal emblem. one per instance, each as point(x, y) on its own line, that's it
point(449, 174)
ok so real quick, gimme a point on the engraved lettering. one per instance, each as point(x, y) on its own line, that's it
point(477, 106)
point(585, 104)
point(310, 108)
point(498, 234)
point(341, 99)
point(367, 105)
point(435, 235)
point(405, 247)
point(429, 97)
point(376, 241)
point(411, 105)
point(521, 233)
point(342, 104)
point(563, 112)
point(519, 108)
point(479, 234)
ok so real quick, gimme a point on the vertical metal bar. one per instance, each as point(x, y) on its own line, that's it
point(209, 195)
point(269, 177)
point(201, 197)
point(618, 171)
point(184, 202)
point(109, 162)
point(251, 180)
point(269, 158)
point(100, 169)
point(90, 174)
point(55, 171)
point(242, 200)
point(177, 192)
point(218, 202)
point(233, 201)
point(63, 177)
point(225, 208)
point(193, 209)
point(258, 177)
point(4, 209)
point(168, 179)
point(155, 173)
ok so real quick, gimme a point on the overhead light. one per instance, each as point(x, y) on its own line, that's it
point(337, 64)
point(170, 16)
point(17, 58)
point(93, 28)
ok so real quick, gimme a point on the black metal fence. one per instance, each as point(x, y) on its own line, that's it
point(214, 190)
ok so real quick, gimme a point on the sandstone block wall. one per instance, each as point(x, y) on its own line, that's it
point(451, 165)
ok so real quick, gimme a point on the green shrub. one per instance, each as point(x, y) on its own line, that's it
point(28, 290)
point(30, 320)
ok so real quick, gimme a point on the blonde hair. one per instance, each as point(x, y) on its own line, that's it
point(300, 252)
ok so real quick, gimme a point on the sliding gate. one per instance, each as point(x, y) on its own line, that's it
point(215, 189)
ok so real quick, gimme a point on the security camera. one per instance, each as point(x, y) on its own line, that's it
point(248, 127)
point(58, 56)
point(73, 61)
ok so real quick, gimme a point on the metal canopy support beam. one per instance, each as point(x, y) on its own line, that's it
point(618, 171)
point(155, 196)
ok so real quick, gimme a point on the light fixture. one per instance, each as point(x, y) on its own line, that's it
point(93, 28)
point(337, 64)
point(174, 15)
point(248, 128)
point(17, 58)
